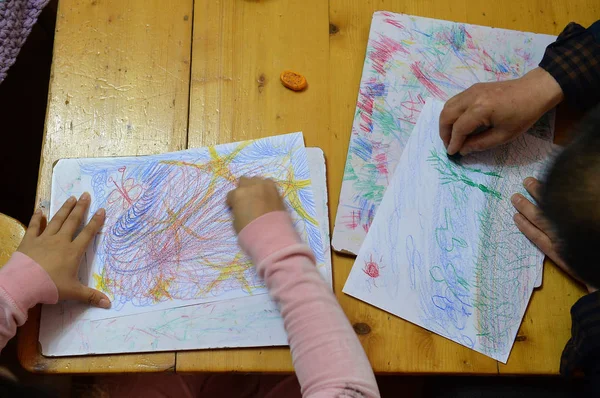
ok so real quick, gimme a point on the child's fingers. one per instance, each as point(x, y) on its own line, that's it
point(74, 219)
point(531, 212)
point(536, 235)
point(534, 187)
point(90, 230)
point(60, 216)
point(35, 224)
point(92, 296)
point(231, 198)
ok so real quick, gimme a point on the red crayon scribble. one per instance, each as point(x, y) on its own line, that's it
point(371, 268)
point(365, 105)
point(469, 39)
point(354, 219)
point(126, 191)
point(412, 107)
point(426, 82)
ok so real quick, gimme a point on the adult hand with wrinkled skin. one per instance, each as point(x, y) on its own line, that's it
point(504, 110)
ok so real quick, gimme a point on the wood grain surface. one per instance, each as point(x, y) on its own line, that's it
point(138, 77)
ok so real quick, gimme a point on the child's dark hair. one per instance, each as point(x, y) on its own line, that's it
point(570, 200)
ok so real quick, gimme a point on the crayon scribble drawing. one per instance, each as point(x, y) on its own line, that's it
point(249, 321)
point(443, 251)
point(408, 60)
point(168, 239)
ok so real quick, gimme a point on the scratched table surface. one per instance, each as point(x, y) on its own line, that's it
point(139, 77)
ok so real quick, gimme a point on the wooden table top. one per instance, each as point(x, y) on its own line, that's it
point(140, 77)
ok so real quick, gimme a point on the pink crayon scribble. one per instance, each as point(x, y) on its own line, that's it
point(383, 50)
point(126, 191)
point(352, 220)
point(393, 22)
point(381, 163)
point(426, 81)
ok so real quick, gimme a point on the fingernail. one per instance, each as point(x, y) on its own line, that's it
point(38, 212)
point(84, 196)
point(71, 199)
point(528, 181)
point(516, 198)
point(100, 212)
point(104, 303)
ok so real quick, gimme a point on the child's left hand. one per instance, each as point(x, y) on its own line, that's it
point(55, 250)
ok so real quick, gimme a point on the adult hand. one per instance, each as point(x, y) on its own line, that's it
point(251, 199)
point(55, 250)
point(537, 229)
point(503, 110)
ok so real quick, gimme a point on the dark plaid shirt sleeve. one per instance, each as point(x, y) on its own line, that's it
point(574, 62)
point(582, 351)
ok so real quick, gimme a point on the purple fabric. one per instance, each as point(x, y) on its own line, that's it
point(16, 20)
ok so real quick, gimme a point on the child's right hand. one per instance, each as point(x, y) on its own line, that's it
point(536, 228)
point(55, 250)
point(253, 198)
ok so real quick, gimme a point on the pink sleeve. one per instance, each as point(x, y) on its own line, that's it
point(327, 355)
point(23, 284)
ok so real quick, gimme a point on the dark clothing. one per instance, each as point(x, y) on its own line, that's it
point(582, 352)
point(574, 62)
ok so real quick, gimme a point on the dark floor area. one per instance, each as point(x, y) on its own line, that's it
point(23, 97)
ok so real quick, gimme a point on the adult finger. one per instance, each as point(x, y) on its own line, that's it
point(33, 229)
point(487, 139)
point(534, 187)
point(470, 121)
point(90, 230)
point(76, 217)
point(61, 215)
point(531, 212)
point(452, 110)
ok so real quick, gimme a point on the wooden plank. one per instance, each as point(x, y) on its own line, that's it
point(119, 86)
point(11, 234)
point(394, 345)
point(239, 50)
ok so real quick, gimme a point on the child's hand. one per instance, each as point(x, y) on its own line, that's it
point(536, 228)
point(55, 250)
point(251, 199)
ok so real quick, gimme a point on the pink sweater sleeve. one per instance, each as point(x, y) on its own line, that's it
point(327, 355)
point(23, 284)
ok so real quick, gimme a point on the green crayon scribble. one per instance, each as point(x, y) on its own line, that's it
point(452, 172)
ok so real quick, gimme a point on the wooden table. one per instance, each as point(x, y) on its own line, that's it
point(137, 77)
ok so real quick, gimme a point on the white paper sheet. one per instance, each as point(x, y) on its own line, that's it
point(168, 239)
point(443, 251)
point(409, 59)
point(245, 322)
